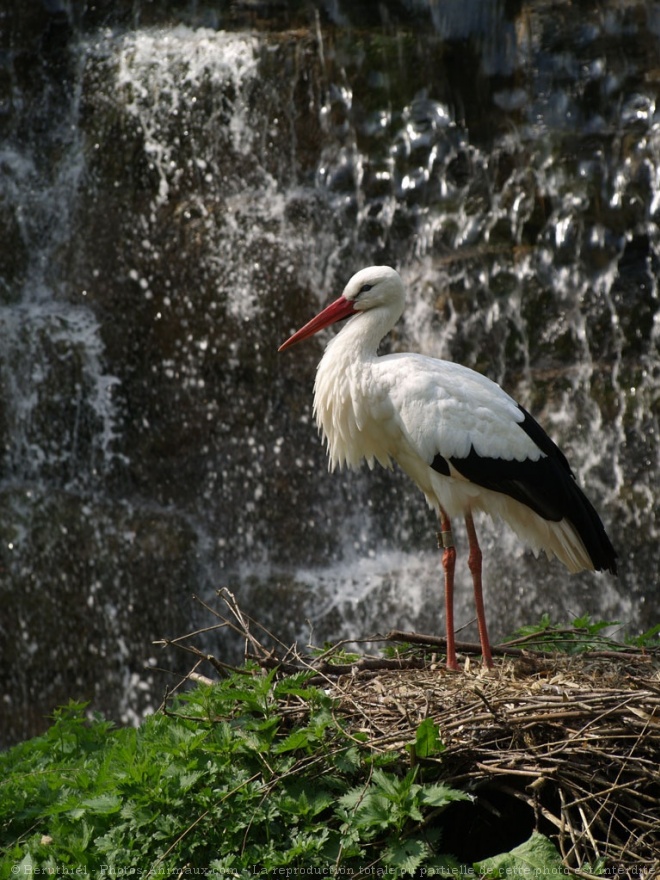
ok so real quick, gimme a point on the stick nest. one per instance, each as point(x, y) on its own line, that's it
point(572, 738)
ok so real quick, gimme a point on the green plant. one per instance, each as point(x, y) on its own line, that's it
point(582, 634)
point(537, 857)
point(251, 775)
point(647, 640)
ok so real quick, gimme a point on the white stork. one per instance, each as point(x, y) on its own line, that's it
point(458, 435)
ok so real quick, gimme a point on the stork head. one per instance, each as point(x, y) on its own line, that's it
point(377, 287)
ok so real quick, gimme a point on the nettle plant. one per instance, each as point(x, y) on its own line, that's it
point(250, 775)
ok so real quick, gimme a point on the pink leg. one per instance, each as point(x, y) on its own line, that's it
point(474, 563)
point(446, 544)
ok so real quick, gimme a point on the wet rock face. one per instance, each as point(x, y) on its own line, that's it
point(82, 576)
point(183, 189)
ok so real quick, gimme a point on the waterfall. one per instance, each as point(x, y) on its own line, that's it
point(177, 194)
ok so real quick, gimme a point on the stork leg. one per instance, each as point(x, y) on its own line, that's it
point(446, 544)
point(474, 564)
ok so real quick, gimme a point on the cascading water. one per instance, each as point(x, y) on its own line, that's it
point(186, 196)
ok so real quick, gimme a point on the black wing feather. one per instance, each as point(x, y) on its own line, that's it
point(547, 486)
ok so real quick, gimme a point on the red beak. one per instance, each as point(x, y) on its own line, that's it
point(338, 310)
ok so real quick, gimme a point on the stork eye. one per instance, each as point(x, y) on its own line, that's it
point(364, 288)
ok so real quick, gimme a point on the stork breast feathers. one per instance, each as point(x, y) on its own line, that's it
point(355, 426)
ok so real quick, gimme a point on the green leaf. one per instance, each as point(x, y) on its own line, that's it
point(406, 855)
point(593, 626)
point(427, 739)
point(25, 867)
point(348, 760)
point(295, 687)
point(375, 812)
point(299, 739)
point(537, 857)
point(441, 795)
point(389, 784)
point(103, 804)
point(353, 798)
point(646, 639)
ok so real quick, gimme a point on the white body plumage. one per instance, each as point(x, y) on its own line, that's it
point(408, 408)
